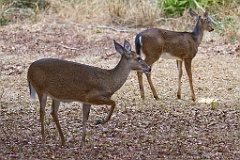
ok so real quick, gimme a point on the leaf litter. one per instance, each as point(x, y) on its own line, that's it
point(139, 129)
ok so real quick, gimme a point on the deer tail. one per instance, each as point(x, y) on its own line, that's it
point(32, 91)
point(138, 44)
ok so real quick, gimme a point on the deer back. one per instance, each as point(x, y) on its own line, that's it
point(158, 41)
point(66, 80)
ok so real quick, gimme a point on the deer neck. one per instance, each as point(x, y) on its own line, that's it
point(198, 31)
point(119, 74)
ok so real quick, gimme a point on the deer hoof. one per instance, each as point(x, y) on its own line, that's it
point(179, 96)
point(100, 121)
point(63, 143)
point(156, 97)
point(194, 99)
point(43, 142)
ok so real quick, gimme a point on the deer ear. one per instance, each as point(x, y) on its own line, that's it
point(193, 13)
point(118, 47)
point(205, 15)
point(127, 46)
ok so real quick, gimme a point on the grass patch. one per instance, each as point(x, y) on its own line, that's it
point(170, 14)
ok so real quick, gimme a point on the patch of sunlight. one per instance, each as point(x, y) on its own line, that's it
point(207, 100)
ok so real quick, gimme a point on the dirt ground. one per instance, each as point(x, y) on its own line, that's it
point(139, 129)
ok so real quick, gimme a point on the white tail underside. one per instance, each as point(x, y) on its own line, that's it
point(32, 92)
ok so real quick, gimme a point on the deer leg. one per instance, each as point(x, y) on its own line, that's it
point(54, 113)
point(150, 60)
point(107, 101)
point(42, 100)
point(151, 85)
point(109, 113)
point(140, 81)
point(86, 111)
point(187, 63)
point(179, 66)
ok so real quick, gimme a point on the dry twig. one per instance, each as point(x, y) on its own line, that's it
point(67, 47)
point(114, 29)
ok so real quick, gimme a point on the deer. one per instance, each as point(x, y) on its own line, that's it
point(182, 46)
point(67, 81)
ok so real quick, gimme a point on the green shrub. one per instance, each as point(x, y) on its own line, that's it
point(173, 8)
point(11, 10)
point(33, 4)
point(3, 21)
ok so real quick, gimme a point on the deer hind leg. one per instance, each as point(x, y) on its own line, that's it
point(187, 63)
point(43, 101)
point(113, 105)
point(54, 113)
point(86, 111)
point(107, 101)
point(180, 72)
point(140, 81)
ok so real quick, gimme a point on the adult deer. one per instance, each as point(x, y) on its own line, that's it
point(182, 46)
point(69, 81)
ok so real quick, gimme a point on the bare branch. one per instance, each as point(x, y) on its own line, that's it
point(166, 19)
point(114, 29)
point(71, 48)
point(18, 11)
point(107, 27)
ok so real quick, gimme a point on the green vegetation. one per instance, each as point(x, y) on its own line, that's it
point(176, 8)
point(20, 9)
point(3, 21)
point(33, 4)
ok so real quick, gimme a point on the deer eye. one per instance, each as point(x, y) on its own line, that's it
point(139, 59)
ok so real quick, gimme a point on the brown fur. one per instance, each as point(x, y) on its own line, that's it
point(183, 46)
point(69, 81)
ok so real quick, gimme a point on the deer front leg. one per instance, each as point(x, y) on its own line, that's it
point(140, 81)
point(188, 66)
point(179, 66)
point(150, 61)
point(151, 85)
point(86, 111)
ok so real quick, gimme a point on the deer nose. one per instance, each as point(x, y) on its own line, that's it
point(211, 30)
point(149, 69)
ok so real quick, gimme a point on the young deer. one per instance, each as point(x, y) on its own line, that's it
point(182, 46)
point(69, 81)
